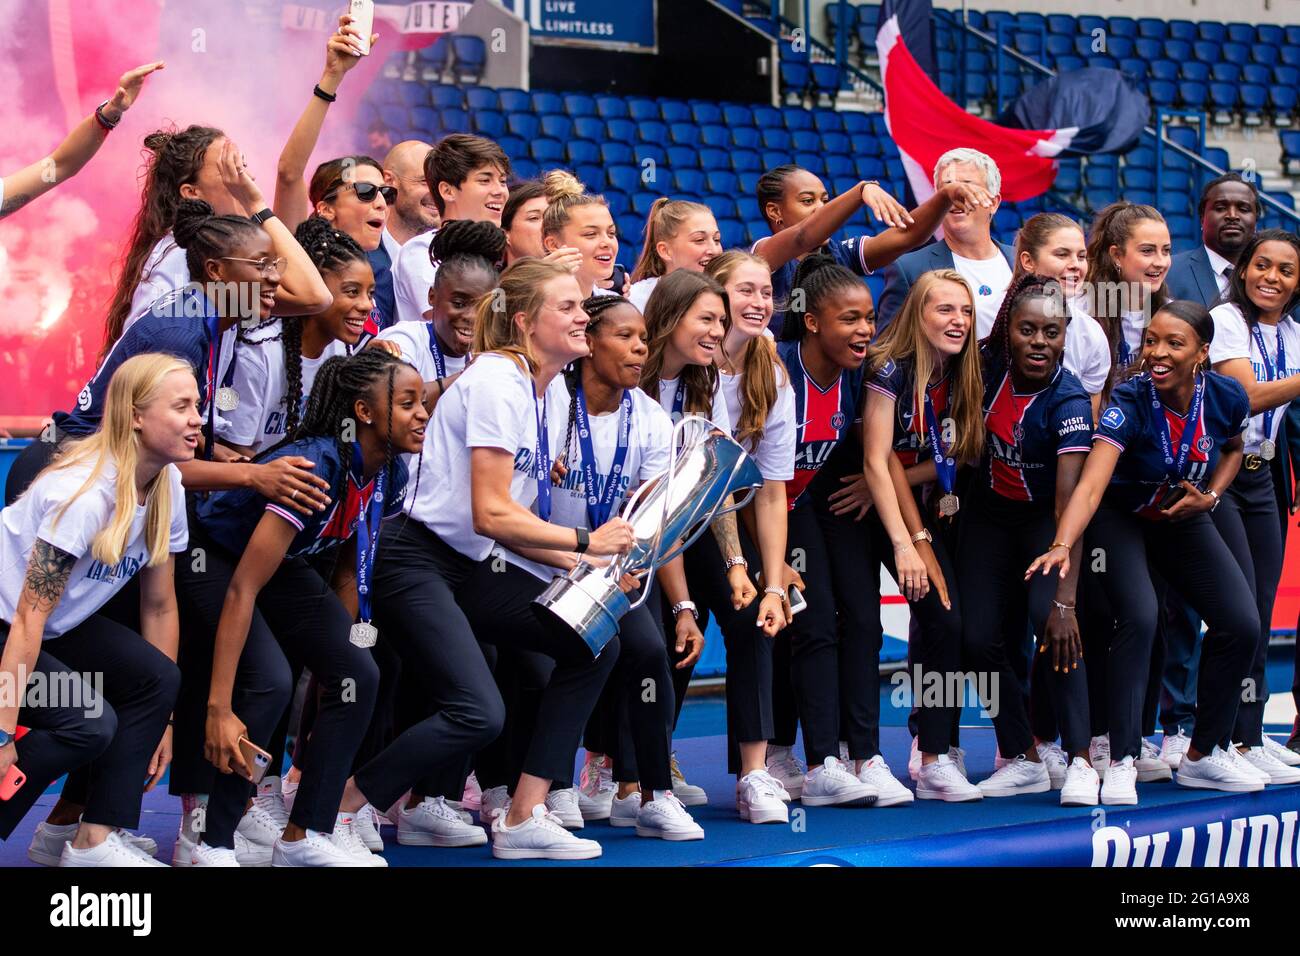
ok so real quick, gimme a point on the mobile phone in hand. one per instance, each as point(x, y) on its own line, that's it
point(363, 19)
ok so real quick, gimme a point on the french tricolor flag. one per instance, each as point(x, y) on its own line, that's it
point(925, 124)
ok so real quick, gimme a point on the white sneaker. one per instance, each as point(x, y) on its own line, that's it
point(205, 855)
point(999, 761)
point(1281, 754)
point(564, 804)
point(472, 798)
point(1054, 759)
point(689, 794)
point(461, 812)
point(48, 842)
point(247, 853)
point(1246, 766)
point(1276, 771)
point(758, 799)
point(1099, 755)
point(346, 837)
point(785, 767)
point(596, 787)
point(1173, 747)
point(138, 842)
point(1082, 785)
point(834, 785)
point(1016, 777)
point(665, 817)
point(494, 802)
point(1217, 771)
point(112, 852)
point(1119, 786)
point(366, 825)
point(623, 810)
point(432, 822)
point(956, 754)
point(1151, 766)
point(315, 849)
point(890, 792)
point(540, 837)
point(943, 780)
point(264, 821)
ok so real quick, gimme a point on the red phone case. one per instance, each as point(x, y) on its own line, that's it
point(14, 778)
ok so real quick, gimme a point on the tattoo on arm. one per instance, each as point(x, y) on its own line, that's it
point(14, 203)
point(724, 532)
point(47, 575)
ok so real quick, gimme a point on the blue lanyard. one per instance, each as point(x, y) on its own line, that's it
point(945, 466)
point(679, 400)
point(368, 522)
point(599, 507)
point(1271, 371)
point(438, 362)
point(542, 461)
point(1174, 466)
point(1125, 356)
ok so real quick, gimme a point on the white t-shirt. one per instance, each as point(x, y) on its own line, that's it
point(90, 584)
point(1232, 340)
point(261, 383)
point(639, 294)
point(988, 279)
point(719, 416)
point(1087, 350)
point(412, 277)
point(775, 453)
point(648, 456)
point(413, 339)
point(1132, 325)
point(492, 405)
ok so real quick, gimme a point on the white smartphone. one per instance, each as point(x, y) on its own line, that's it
point(363, 20)
point(797, 601)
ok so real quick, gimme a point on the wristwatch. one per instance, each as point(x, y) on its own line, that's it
point(7, 738)
point(1216, 497)
point(584, 539)
point(923, 535)
point(736, 559)
point(261, 217)
point(686, 606)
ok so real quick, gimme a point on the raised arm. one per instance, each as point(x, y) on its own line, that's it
point(779, 248)
point(1097, 472)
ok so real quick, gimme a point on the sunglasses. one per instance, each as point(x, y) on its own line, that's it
point(365, 192)
point(263, 266)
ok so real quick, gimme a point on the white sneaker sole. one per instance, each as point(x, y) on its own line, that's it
point(41, 857)
point(1041, 786)
point(569, 823)
point(864, 797)
point(1079, 799)
point(750, 815)
point(622, 821)
point(1234, 786)
point(896, 800)
point(539, 853)
point(1155, 774)
point(1120, 801)
point(252, 861)
point(672, 836)
point(419, 838)
point(948, 796)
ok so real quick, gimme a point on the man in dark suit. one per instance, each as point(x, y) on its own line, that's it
point(1229, 210)
point(967, 245)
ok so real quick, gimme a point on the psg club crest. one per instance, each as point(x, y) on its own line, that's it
point(1204, 443)
point(985, 290)
point(837, 420)
point(1018, 432)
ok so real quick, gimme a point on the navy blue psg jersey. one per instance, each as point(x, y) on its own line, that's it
point(847, 252)
point(174, 325)
point(231, 516)
point(1025, 433)
point(911, 440)
point(1129, 423)
point(822, 418)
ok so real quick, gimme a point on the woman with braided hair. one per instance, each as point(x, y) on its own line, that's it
point(1038, 431)
point(364, 413)
point(278, 361)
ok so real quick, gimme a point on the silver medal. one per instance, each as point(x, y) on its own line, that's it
point(948, 506)
point(1267, 450)
point(227, 399)
point(364, 634)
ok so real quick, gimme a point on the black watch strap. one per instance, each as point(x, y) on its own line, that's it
point(261, 217)
point(584, 539)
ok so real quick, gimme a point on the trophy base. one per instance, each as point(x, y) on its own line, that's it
point(590, 613)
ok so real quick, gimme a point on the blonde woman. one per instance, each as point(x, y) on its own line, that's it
point(578, 220)
point(109, 506)
point(678, 235)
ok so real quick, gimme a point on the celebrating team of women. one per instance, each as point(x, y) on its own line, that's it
point(340, 443)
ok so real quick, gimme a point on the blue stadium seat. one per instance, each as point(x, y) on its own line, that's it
point(684, 134)
point(775, 139)
point(1030, 44)
point(1100, 177)
point(806, 140)
point(514, 101)
point(546, 102)
point(631, 226)
point(425, 119)
point(1096, 199)
point(772, 158)
point(1007, 218)
point(1122, 26)
point(813, 162)
point(732, 232)
point(1143, 197)
point(546, 150)
point(440, 96)
point(767, 117)
point(826, 80)
point(1120, 47)
point(1195, 71)
point(620, 129)
point(828, 120)
point(624, 178)
point(525, 168)
point(842, 185)
point(1149, 48)
point(1135, 68)
point(1256, 73)
point(706, 113)
point(1209, 30)
point(796, 118)
point(468, 57)
point(618, 201)
point(1270, 33)
point(1192, 95)
point(1233, 52)
point(615, 153)
point(642, 108)
point(1223, 98)
point(651, 131)
point(1254, 101)
point(722, 205)
point(589, 127)
point(1286, 75)
point(1102, 62)
point(746, 160)
point(747, 208)
point(482, 98)
point(721, 181)
point(1084, 45)
point(749, 180)
point(1178, 50)
point(591, 175)
point(1283, 100)
point(1241, 32)
point(1265, 53)
point(1290, 55)
point(1067, 180)
point(839, 166)
point(1182, 30)
point(453, 119)
point(711, 158)
point(611, 107)
point(837, 143)
point(583, 151)
point(738, 114)
point(1137, 177)
point(1290, 140)
point(1057, 45)
point(688, 180)
point(489, 123)
point(434, 58)
point(746, 137)
point(514, 146)
point(1066, 64)
point(1087, 24)
point(683, 157)
point(525, 125)
point(1151, 27)
point(856, 123)
point(651, 151)
point(579, 104)
point(1062, 24)
point(556, 125)
point(715, 134)
point(1208, 51)
point(674, 111)
point(642, 201)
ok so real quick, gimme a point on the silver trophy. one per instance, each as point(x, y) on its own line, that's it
point(668, 514)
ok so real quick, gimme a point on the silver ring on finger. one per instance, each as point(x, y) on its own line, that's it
point(294, 496)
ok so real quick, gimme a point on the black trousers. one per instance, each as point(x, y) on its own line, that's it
point(296, 609)
point(417, 580)
point(104, 735)
point(1248, 521)
point(997, 540)
point(1192, 557)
